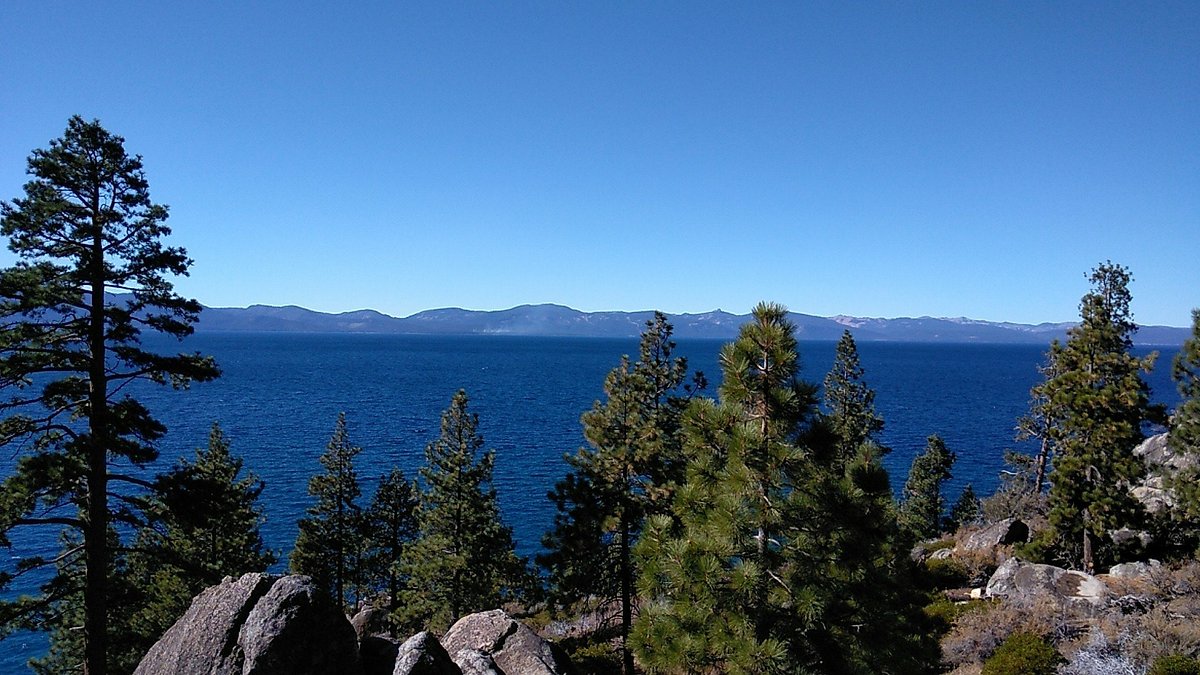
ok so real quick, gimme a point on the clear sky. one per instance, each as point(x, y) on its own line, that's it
point(874, 159)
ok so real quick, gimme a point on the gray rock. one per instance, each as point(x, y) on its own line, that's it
point(205, 639)
point(422, 654)
point(942, 554)
point(515, 648)
point(293, 629)
point(257, 625)
point(1003, 533)
point(1126, 537)
point(1016, 580)
point(370, 621)
point(1161, 461)
point(1135, 570)
point(475, 662)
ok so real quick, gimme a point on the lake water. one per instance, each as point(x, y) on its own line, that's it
point(280, 394)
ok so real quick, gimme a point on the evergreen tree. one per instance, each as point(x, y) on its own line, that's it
point(779, 557)
point(85, 231)
point(1185, 424)
point(1043, 421)
point(851, 403)
point(391, 526)
point(463, 559)
point(629, 471)
point(966, 510)
point(923, 505)
point(1097, 386)
point(329, 547)
point(203, 525)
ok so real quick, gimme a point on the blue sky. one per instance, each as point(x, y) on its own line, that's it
point(874, 159)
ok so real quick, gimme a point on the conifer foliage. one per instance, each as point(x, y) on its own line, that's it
point(330, 547)
point(851, 403)
point(85, 230)
point(778, 555)
point(1096, 385)
point(1185, 424)
point(463, 559)
point(391, 526)
point(203, 524)
point(923, 506)
point(629, 470)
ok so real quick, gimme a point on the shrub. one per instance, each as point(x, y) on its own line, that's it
point(946, 573)
point(945, 612)
point(1175, 664)
point(976, 635)
point(1023, 654)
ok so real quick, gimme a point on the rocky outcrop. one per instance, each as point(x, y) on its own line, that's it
point(1161, 463)
point(1002, 533)
point(1015, 580)
point(257, 625)
point(422, 654)
point(513, 647)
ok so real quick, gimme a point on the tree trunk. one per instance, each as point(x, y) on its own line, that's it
point(626, 598)
point(1042, 460)
point(95, 534)
point(1088, 562)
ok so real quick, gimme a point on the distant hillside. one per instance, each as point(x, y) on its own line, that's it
point(557, 320)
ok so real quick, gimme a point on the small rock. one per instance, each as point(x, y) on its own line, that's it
point(422, 654)
point(1135, 570)
point(475, 662)
point(1003, 533)
point(370, 621)
point(942, 554)
point(511, 644)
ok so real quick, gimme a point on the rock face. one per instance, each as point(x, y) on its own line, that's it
point(257, 625)
point(475, 662)
point(1016, 580)
point(1002, 533)
point(422, 654)
point(1160, 461)
point(515, 649)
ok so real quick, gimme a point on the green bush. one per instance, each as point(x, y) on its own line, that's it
point(1023, 654)
point(944, 612)
point(1175, 664)
point(946, 573)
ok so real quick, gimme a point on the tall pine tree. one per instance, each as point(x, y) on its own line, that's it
point(391, 526)
point(92, 276)
point(629, 471)
point(1096, 384)
point(203, 525)
point(330, 545)
point(851, 403)
point(463, 560)
point(716, 582)
point(923, 506)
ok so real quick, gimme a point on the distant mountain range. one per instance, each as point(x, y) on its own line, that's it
point(557, 320)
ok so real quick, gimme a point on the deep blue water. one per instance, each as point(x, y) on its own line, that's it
point(280, 394)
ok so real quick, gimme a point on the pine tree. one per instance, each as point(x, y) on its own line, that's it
point(1043, 421)
point(628, 472)
point(966, 510)
point(85, 231)
point(463, 559)
point(851, 403)
point(1103, 400)
point(391, 526)
point(715, 586)
point(923, 505)
point(203, 525)
point(329, 547)
point(1185, 425)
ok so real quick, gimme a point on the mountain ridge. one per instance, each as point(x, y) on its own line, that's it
point(554, 320)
